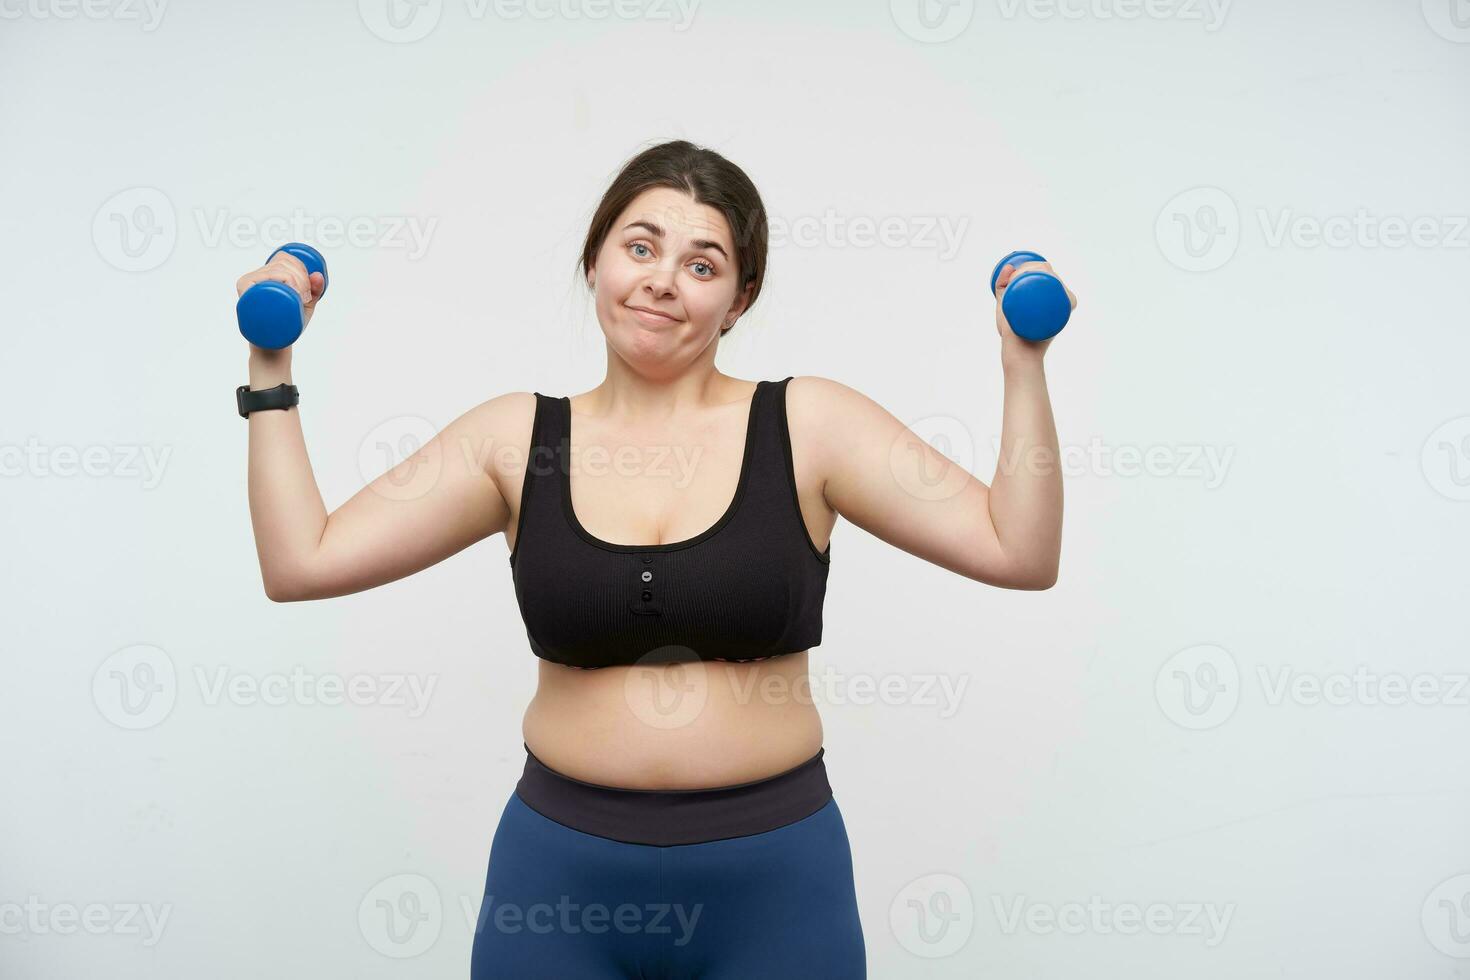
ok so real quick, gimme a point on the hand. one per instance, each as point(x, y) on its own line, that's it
point(1014, 349)
point(286, 268)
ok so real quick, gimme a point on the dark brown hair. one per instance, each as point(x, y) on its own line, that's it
point(708, 178)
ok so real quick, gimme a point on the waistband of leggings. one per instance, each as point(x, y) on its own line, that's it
point(675, 816)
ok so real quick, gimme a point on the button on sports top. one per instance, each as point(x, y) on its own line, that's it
point(749, 587)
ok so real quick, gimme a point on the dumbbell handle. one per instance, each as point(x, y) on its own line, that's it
point(271, 314)
point(1036, 304)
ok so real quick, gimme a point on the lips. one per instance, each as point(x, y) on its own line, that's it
point(653, 315)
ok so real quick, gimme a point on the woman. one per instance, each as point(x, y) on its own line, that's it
point(669, 544)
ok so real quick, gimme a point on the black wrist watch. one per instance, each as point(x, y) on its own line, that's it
point(281, 396)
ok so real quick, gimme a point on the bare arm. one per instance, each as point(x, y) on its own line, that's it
point(431, 505)
point(893, 484)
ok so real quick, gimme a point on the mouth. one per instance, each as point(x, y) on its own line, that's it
point(652, 316)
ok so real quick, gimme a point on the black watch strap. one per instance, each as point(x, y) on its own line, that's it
point(281, 396)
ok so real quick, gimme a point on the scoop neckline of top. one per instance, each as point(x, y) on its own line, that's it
point(565, 475)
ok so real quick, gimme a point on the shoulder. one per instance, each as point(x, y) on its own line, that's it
point(816, 402)
point(837, 426)
point(496, 433)
point(833, 426)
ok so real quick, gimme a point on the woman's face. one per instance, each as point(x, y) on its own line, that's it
point(669, 255)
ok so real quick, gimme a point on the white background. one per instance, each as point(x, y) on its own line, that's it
point(1121, 738)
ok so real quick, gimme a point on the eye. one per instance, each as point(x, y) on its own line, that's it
point(707, 265)
point(638, 245)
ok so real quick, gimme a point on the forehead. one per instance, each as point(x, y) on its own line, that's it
point(677, 214)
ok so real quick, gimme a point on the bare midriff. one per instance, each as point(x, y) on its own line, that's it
point(690, 725)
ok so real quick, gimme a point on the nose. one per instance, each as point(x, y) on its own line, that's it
point(661, 281)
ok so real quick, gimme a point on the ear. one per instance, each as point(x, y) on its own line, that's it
point(738, 307)
point(592, 277)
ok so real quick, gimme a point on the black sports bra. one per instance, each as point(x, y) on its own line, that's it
point(750, 587)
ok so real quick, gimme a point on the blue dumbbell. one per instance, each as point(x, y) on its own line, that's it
point(1036, 305)
point(271, 314)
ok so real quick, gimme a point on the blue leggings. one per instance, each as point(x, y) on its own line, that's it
point(561, 904)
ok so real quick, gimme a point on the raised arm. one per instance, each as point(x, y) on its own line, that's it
point(885, 479)
point(431, 505)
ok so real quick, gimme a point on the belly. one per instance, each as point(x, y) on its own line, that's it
point(674, 726)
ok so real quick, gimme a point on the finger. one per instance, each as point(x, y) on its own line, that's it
point(318, 286)
point(1034, 267)
point(287, 268)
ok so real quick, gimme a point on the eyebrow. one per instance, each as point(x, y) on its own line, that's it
point(658, 232)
